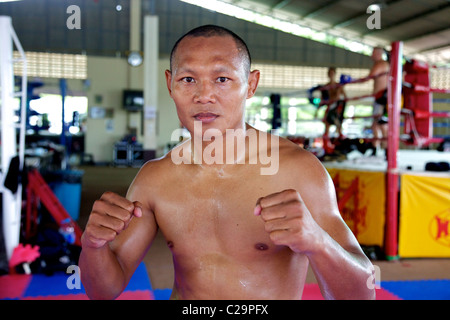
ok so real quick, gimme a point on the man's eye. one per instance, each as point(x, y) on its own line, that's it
point(222, 79)
point(188, 79)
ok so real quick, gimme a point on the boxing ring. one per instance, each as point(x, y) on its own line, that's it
point(387, 203)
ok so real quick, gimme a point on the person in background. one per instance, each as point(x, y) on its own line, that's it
point(336, 106)
point(379, 70)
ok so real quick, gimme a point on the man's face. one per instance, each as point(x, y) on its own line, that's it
point(331, 74)
point(208, 83)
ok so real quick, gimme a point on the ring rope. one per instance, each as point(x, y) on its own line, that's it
point(329, 102)
point(338, 85)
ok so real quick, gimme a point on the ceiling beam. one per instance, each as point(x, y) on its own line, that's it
point(321, 10)
point(430, 50)
point(428, 33)
point(281, 4)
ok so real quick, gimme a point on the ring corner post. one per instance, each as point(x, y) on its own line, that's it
point(392, 187)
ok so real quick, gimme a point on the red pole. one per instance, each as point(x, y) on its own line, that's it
point(394, 99)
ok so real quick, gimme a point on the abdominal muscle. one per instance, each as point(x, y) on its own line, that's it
point(217, 276)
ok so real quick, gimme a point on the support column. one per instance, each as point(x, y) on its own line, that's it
point(134, 80)
point(135, 25)
point(151, 55)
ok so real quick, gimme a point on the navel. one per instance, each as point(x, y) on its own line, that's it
point(170, 244)
point(261, 246)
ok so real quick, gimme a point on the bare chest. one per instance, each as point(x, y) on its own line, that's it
point(214, 215)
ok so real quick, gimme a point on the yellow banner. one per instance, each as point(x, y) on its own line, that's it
point(424, 216)
point(367, 220)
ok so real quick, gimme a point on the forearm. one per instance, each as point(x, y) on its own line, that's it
point(101, 273)
point(342, 274)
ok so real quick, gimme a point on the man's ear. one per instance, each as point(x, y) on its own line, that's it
point(168, 74)
point(253, 80)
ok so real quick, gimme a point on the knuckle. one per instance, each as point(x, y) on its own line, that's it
point(275, 237)
point(109, 235)
point(97, 204)
point(120, 225)
point(107, 195)
point(297, 206)
point(129, 207)
point(291, 192)
point(263, 202)
point(93, 219)
point(123, 215)
point(88, 230)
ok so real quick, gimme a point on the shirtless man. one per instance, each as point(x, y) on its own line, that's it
point(233, 232)
point(336, 109)
point(379, 124)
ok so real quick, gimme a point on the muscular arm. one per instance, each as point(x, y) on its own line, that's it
point(308, 221)
point(341, 268)
point(117, 236)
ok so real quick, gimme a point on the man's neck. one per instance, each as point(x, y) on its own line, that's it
point(215, 148)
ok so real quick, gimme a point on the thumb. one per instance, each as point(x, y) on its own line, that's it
point(137, 211)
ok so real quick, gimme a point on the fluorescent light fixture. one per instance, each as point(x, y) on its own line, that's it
point(282, 25)
point(8, 0)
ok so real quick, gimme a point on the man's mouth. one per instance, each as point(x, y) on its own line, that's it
point(205, 117)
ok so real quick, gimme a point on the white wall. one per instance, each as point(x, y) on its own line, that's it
point(108, 78)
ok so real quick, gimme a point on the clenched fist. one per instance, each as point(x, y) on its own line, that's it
point(110, 215)
point(289, 222)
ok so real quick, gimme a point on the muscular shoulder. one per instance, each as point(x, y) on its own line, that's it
point(151, 170)
point(306, 174)
point(296, 160)
point(149, 179)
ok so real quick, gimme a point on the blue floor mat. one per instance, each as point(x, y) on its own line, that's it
point(56, 284)
point(162, 294)
point(419, 289)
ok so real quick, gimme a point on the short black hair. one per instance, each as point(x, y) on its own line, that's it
point(211, 31)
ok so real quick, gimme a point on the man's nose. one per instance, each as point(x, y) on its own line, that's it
point(205, 93)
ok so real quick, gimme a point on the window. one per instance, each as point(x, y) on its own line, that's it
point(303, 77)
point(54, 65)
point(50, 105)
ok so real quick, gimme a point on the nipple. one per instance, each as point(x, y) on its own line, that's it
point(261, 246)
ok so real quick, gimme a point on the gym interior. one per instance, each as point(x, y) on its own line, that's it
point(83, 92)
